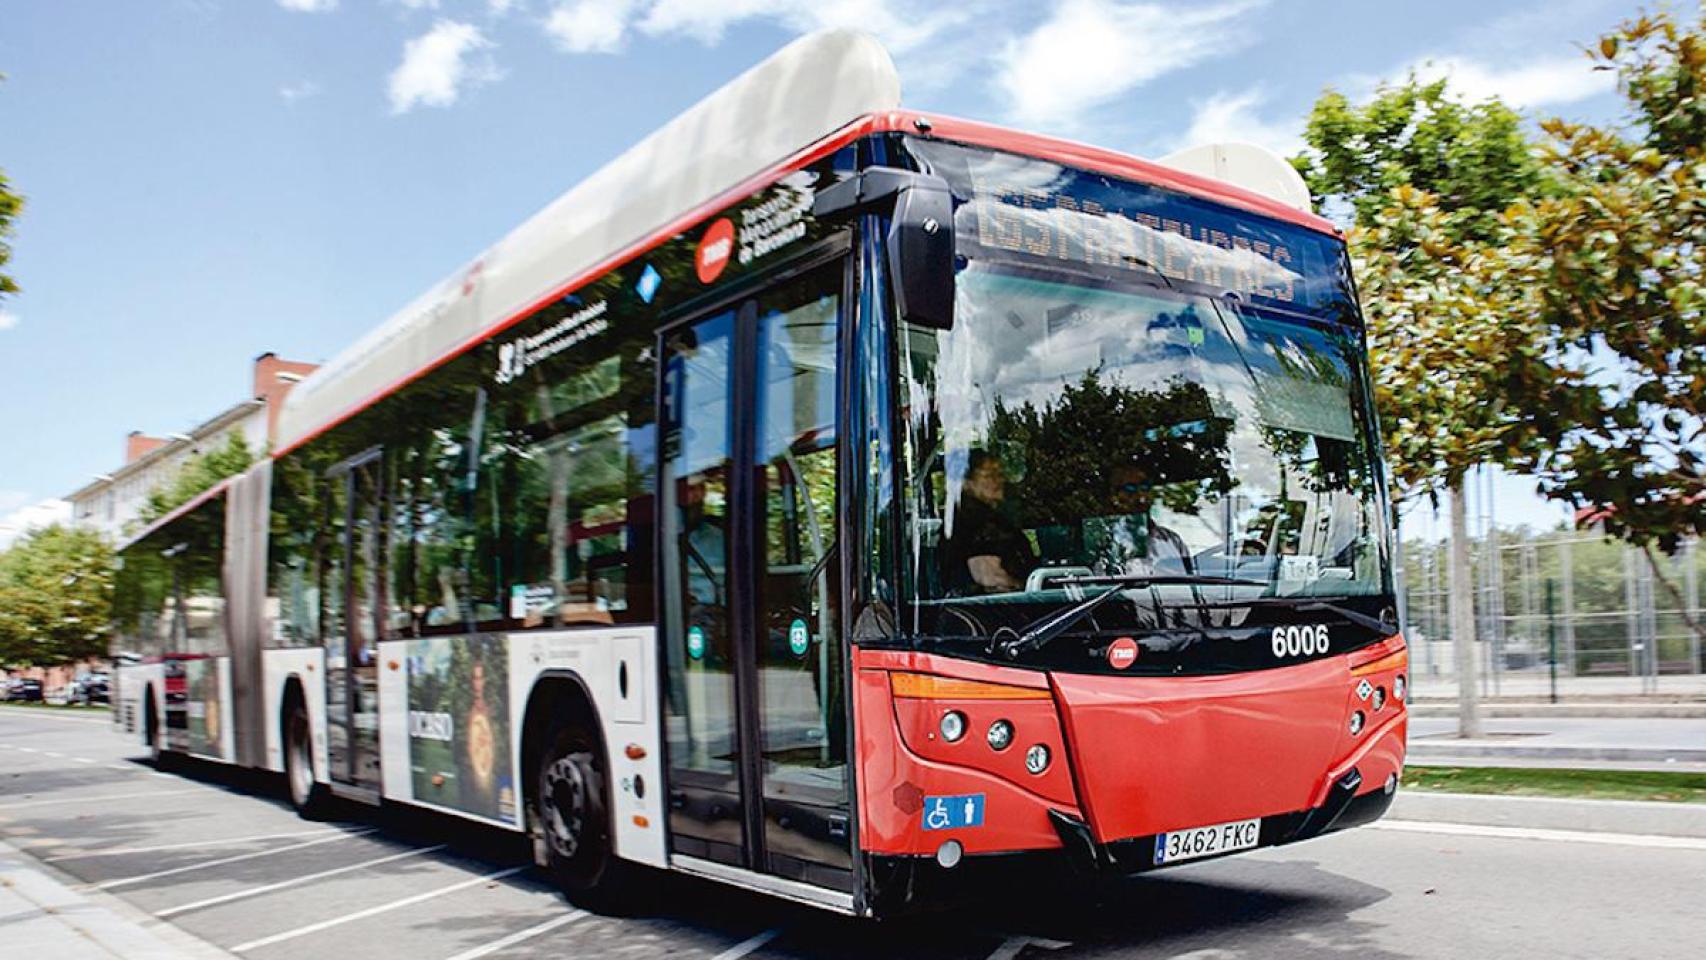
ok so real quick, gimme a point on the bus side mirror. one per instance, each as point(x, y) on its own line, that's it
point(920, 237)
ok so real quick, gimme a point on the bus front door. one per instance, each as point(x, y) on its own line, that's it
point(755, 712)
point(352, 589)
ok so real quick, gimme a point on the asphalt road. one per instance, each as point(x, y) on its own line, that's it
point(226, 860)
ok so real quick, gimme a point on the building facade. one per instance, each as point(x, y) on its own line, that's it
point(113, 502)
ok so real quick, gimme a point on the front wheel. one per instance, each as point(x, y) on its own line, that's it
point(307, 796)
point(573, 810)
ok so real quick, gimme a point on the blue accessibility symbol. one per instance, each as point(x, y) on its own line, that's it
point(952, 813)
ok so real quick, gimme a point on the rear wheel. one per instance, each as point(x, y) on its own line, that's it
point(307, 796)
point(573, 812)
point(151, 731)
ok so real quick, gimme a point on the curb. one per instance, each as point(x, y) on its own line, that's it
point(1553, 813)
point(1573, 711)
point(1422, 750)
point(57, 922)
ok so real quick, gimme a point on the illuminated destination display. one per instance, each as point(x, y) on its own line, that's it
point(1010, 204)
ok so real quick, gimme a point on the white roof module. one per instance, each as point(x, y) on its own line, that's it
point(805, 92)
point(1246, 165)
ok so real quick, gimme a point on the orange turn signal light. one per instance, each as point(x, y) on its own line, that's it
point(923, 686)
point(635, 752)
point(641, 821)
point(1397, 660)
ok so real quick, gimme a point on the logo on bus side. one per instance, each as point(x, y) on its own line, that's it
point(1122, 653)
point(1302, 641)
point(715, 247)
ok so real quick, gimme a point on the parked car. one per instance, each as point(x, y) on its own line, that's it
point(91, 688)
point(23, 689)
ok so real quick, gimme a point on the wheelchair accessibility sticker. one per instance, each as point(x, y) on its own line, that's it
point(950, 813)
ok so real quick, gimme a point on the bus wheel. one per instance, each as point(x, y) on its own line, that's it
point(151, 730)
point(308, 797)
point(573, 808)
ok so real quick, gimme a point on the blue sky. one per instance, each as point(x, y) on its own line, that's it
point(211, 179)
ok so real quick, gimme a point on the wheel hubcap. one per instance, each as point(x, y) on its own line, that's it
point(563, 805)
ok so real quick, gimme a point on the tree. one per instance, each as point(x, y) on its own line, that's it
point(200, 473)
point(1615, 260)
point(56, 587)
point(10, 206)
point(1461, 379)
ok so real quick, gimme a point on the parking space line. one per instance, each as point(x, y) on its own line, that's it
point(282, 884)
point(748, 945)
point(222, 861)
point(75, 798)
point(375, 911)
point(519, 936)
point(1537, 833)
point(231, 841)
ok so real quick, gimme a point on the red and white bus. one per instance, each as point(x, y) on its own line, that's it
point(828, 499)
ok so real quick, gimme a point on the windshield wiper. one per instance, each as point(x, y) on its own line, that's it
point(1309, 604)
point(1039, 632)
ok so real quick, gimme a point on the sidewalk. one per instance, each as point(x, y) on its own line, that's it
point(41, 917)
point(1657, 743)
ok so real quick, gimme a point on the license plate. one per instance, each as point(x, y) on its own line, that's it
point(1206, 841)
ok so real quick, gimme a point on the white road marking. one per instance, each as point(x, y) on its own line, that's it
point(748, 945)
point(29, 749)
point(520, 935)
point(50, 753)
point(1011, 947)
point(1537, 833)
point(232, 841)
point(374, 911)
point(40, 715)
point(121, 766)
point(222, 861)
point(282, 884)
point(82, 760)
point(102, 798)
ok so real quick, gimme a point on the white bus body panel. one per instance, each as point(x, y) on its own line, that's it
point(136, 682)
point(626, 717)
point(308, 665)
point(805, 92)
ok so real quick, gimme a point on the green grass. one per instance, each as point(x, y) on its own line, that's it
point(1548, 782)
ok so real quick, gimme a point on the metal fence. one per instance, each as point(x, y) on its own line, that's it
point(1562, 610)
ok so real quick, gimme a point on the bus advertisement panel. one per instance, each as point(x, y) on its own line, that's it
point(459, 754)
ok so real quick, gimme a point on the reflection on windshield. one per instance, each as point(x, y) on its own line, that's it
point(1062, 430)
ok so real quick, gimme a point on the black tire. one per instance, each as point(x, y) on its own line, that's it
point(572, 810)
point(308, 797)
point(154, 733)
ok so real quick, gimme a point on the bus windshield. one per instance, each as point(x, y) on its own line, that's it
point(1073, 424)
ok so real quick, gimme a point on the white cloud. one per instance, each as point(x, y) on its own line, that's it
point(1534, 83)
point(417, 4)
point(1236, 117)
point(500, 7)
point(22, 516)
point(438, 65)
point(706, 22)
point(590, 26)
point(1091, 51)
point(309, 6)
point(8, 319)
point(292, 92)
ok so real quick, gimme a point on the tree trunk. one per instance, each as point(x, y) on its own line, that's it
point(1463, 618)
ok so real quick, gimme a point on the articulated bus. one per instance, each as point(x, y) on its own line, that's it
point(828, 499)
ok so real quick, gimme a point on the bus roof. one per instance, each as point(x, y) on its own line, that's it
point(808, 90)
point(812, 96)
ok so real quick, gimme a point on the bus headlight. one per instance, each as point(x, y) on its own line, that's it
point(1398, 688)
point(1357, 720)
point(953, 725)
point(1000, 735)
point(1036, 759)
